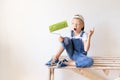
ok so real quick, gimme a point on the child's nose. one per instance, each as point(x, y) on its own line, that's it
point(75, 26)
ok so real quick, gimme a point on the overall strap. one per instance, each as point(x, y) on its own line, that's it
point(82, 33)
point(72, 33)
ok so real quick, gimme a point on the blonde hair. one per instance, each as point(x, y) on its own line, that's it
point(77, 16)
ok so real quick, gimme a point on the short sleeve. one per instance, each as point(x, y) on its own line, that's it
point(84, 37)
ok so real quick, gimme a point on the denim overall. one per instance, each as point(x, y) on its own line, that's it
point(75, 50)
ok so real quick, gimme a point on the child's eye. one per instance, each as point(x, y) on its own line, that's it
point(77, 24)
point(72, 23)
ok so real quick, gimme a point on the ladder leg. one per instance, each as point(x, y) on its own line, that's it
point(49, 78)
point(52, 73)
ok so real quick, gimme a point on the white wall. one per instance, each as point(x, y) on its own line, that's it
point(26, 44)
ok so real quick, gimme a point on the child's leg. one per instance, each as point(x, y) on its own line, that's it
point(55, 58)
point(68, 46)
point(70, 63)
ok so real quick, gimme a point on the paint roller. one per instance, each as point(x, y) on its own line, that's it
point(58, 26)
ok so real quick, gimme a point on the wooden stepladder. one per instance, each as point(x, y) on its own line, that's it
point(100, 63)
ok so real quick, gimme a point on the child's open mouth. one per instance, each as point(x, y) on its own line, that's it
point(75, 29)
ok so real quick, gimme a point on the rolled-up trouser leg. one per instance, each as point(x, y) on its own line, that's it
point(84, 62)
point(68, 46)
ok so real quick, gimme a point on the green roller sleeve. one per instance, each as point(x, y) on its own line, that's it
point(58, 26)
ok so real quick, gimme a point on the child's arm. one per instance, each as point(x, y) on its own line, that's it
point(87, 42)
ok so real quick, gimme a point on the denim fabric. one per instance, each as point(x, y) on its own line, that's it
point(75, 50)
point(68, 45)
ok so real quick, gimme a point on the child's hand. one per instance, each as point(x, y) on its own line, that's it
point(91, 32)
point(61, 39)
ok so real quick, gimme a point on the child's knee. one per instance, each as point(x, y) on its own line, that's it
point(90, 62)
point(66, 41)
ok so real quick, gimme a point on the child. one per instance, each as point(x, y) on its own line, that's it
point(76, 46)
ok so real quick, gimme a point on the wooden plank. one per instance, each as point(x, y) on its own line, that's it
point(93, 67)
point(94, 57)
point(105, 57)
point(106, 62)
point(110, 65)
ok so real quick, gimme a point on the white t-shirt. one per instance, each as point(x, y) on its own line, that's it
point(84, 36)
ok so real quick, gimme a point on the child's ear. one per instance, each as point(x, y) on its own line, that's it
point(82, 28)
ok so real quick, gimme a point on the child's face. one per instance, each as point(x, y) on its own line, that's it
point(77, 24)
